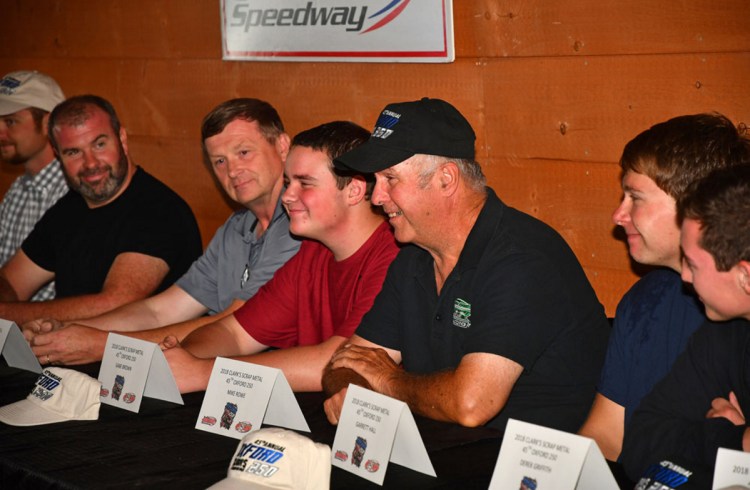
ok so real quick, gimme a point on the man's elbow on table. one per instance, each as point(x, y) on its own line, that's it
point(475, 411)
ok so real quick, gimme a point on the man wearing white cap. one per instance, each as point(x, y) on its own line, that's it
point(26, 99)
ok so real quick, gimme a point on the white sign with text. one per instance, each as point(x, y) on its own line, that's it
point(134, 368)
point(338, 30)
point(732, 468)
point(533, 456)
point(374, 429)
point(242, 396)
point(15, 349)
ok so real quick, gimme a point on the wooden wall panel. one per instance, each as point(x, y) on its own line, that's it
point(587, 108)
point(484, 28)
point(554, 90)
point(496, 29)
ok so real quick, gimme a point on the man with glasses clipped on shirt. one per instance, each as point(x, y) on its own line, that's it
point(245, 145)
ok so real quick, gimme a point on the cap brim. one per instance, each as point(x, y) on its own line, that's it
point(25, 413)
point(372, 157)
point(230, 483)
point(8, 107)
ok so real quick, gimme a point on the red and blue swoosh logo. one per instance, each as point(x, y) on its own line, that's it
point(390, 12)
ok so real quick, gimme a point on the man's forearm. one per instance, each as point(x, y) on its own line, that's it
point(335, 380)
point(61, 309)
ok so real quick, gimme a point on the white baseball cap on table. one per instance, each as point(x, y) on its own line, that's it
point(23, 89)
point(277, 458)
point(59, 395)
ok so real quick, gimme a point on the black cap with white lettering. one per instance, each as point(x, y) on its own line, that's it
point(426, 126)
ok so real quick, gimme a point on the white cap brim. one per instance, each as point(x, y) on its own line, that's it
point(10, 107)
point(24, 413)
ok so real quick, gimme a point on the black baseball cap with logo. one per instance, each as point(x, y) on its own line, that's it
point(404, 129)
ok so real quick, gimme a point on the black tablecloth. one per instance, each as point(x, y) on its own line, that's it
point(160, 448)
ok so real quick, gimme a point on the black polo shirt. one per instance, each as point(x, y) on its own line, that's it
point(517, 291)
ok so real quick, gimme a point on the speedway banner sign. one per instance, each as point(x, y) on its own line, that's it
point(338, 30)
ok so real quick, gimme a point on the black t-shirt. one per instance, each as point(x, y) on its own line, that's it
point(671, 423)
point(80, 244)
point(517, 291)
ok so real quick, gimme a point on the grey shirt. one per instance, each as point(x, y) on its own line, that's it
point(237, 262)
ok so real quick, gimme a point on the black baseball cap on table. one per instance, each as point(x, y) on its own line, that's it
point(404, 129)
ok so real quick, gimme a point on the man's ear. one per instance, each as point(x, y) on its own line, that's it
point(124, 139)
point(283, 143)
point(448, 176)
point(744, 269)
point(356, 189)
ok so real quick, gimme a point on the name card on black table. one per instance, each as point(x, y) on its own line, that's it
point(732, 469)
point(134, 368)
point(15, 349)
point(241, 396)
point(536, 457)
point(373, 430)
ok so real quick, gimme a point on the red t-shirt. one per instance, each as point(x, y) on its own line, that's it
point(313, 297)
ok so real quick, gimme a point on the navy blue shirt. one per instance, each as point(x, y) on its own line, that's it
point(652, 325)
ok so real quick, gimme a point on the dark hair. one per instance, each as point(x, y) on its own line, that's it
point(721, 204)
point(77, 110)
point(334, 139)
point(684, 149)
point(247, 109)
point(37, 115)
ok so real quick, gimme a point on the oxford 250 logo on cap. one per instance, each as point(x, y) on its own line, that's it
point(385, 123)
point(46, 385)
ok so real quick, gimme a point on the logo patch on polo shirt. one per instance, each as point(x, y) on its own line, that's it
point(461, 313)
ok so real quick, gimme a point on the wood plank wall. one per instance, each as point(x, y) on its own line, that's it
point(553, 88)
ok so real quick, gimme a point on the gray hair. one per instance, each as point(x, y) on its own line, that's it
point(470, 169)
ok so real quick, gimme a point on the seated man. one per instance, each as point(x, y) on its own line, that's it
point(698, 406)
point(489, 311)
point(658, 314)
point(26, 99)
point(316, 300)
point(245, 144)
point(119, 236)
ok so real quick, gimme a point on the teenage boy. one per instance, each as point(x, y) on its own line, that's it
point(699, 406)
point(316, 300)
point(658, 314)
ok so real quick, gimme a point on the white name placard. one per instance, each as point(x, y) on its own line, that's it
point(732, 469)
point(134, 368)
point(242, 396)
point(533, 456)
point(418, 31)
point(15, 349)
point(374, 429)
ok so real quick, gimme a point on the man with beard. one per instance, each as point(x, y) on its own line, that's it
point(245, 144)
point(26, 98)
point(121, 236)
